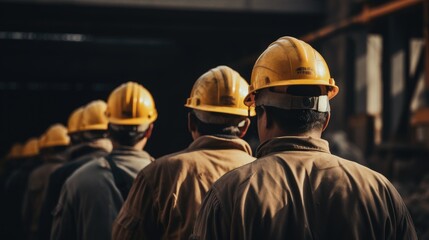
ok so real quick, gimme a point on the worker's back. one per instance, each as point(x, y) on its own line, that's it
point(298, 190)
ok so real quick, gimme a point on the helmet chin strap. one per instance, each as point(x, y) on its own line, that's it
point(289, 102)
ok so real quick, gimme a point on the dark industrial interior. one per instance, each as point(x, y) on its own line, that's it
point(58, 55)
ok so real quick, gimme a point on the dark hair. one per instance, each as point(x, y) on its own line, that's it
point(296, 120)
point(125, 135)
point(93, 135)
point(215, 129)
point(53, 150)
point(75, 138)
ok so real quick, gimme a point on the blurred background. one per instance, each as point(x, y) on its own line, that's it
point(57, 55)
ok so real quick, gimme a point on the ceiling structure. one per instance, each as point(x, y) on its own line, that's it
point(59, 55)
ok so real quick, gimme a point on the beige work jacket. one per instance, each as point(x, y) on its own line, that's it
point(298, 190)
point(166, 195)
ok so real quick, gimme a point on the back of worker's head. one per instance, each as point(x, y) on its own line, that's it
point(74, 126)
point(15, 151)
point(292, 85)
point(216, 103)
point(293, 120)
point(54, 140)
point(31, 148)
point(94, 123)
point(130, 112)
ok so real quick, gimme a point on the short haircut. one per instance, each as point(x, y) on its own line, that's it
point(296, 121)
point(126, 135)
point(53, 150)
point(93, 135)
point(230, 129)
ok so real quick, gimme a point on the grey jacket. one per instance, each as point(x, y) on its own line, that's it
point(36, 191)
point(90, 201)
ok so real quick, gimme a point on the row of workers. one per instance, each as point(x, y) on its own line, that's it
point(108, 187)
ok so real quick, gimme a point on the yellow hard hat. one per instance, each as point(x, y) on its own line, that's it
point(287, 62)
point(221, 90)
point(56, 135)
point(94, 116)
point(15, 151)
point(131, 104)
point(31, 148)
point(74, 122)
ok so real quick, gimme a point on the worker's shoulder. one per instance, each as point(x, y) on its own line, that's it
point(176, 160)
point(89, 175)
point(237, 177)
point(365, 177)
point(359, 168)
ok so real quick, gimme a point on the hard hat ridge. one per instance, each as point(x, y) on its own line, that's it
point(220, 90)
point(290, 62)
point(131, 104)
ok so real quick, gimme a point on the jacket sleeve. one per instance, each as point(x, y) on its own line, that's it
point(48, 205)
point(87, 209)
point(63, 222)
point(138, 217)
point(211, 221)
point(404, 223)
point(27, 207)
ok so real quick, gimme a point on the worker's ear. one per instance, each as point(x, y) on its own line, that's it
point(264, 118)
point(149, 130)
point(192, 127)
point(244, 126)
point(327, 121)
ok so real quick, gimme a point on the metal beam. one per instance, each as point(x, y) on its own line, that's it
point(426, 38)
point(275, 6)
point(410, 91)
point(367, 15)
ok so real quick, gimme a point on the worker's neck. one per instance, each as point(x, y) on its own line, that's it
point(277, 132)
point(138, 146)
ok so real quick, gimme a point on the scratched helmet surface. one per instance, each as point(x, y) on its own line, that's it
point(131, 104)
point(94, 116)
point(220, 90)
point(287, 62)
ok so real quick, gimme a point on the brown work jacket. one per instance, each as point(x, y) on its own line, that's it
point(166, 196)
point(296, 189)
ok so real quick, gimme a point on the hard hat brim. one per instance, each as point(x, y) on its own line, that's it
point(133, 121)
point(94, 127)
point(226, 110)
point(248, 100)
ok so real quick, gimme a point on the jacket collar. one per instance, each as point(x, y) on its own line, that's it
point(82, 149)
point(219, 142)
point(129, 153)
point(292, 143)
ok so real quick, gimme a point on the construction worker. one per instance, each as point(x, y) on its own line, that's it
point(13, 154)
point(87, 128)
point(92, 197)
point(15, 188)
point(8, 164)
point(74, 126)
point(297, 189)
point(53, 145)
point(167, 194)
